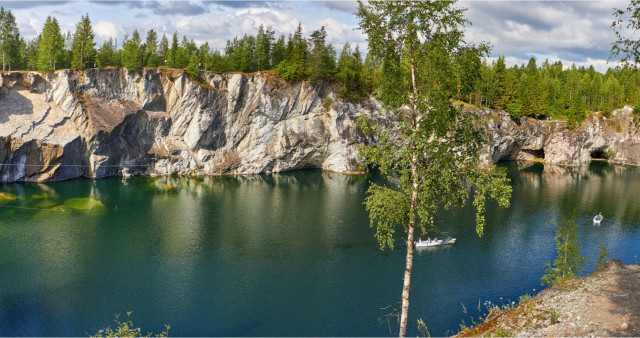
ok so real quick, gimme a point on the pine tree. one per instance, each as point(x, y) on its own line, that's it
point(83, 45)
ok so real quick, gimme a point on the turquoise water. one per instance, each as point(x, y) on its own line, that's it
point(282, 255)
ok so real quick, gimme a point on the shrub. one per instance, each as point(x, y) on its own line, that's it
point(127, 329)
point(514, 110)
point(568, 262)
point(603, 255)
point(290, 71)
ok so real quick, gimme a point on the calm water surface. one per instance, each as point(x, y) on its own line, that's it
point(282, 255)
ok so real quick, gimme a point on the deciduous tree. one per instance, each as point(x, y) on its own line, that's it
point(568, 262)
point(432, 153)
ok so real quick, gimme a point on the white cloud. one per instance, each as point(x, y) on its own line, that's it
point(572, 30)
point(105, 30)
point(338, 32)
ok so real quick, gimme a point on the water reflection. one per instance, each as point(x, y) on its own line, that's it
point(278, 255)
point(587, 190)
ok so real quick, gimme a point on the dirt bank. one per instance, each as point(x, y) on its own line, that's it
point(605, 303)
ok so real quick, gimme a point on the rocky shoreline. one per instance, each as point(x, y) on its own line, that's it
point(603, 304)
point(112, 122)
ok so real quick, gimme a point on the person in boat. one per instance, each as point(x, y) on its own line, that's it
point(420, 239)
point(428, 240)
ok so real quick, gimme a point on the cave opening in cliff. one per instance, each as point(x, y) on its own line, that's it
point(598, 154)
point(536, 153)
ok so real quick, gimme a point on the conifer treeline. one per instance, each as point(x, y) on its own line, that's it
point(293, 58)
point(539, 92)
point(551, 91)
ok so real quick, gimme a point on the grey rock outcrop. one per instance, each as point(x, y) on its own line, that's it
point(113, 122)
point(614, 138)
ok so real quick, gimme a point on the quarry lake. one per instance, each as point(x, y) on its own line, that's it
point(282, 255)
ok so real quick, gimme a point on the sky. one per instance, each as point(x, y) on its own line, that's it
point(570, 31)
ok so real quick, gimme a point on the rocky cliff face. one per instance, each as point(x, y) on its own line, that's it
point(110, 122)
point(616, 138)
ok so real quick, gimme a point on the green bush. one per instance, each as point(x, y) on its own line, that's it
point(290, 71)
point(514, 110)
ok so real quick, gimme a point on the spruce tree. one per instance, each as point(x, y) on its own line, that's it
point(163, 51)
point(278, 53)
point(83, 45)
point(10, 41)
point(350, 74)
point(172, 60)
point(151, 58)
point(50, 46)
point(131, 55)
point(106, 55)
point(322, 63)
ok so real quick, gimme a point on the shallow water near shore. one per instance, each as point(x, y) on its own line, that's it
point(282, 255)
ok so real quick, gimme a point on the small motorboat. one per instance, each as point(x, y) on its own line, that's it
point(597, 219)
point(437, 242)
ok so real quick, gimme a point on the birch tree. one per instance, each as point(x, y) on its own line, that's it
point(431, 155)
